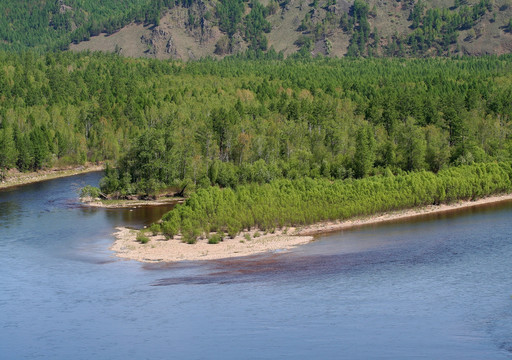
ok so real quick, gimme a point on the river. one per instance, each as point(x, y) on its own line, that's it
point(435, 288)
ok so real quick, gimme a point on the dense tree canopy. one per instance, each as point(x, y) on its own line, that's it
point(239, 121)
point(283, 203)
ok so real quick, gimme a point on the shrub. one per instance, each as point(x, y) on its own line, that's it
point(155, 229)
point(143, 239)
point(214, 239)
point(89, 191)
point(169, 228)
point(190, 235)
point(234, 227)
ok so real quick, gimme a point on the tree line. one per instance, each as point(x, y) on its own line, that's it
point(285, 203)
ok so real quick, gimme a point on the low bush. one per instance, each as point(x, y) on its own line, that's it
point(214, 239)
point(143, 239)
point(155, 229)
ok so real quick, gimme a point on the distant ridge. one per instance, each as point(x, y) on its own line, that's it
point(191, 29)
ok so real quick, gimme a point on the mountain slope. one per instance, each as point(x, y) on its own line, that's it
point(51, 24)
point(190, 29)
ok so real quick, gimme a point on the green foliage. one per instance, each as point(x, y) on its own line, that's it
point(437, 29)
point(8, 151)
point(256, 26)
point(89, 191)
point(214, 239)
point(155, 229)
point(143, 239)
point(305, 201)
point(230, 14)
point(364, 156)
point(170, 228)
point(360, 29)
point(240, 121)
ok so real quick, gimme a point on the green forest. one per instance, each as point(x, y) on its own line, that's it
point(257, 124)
point(237, 120)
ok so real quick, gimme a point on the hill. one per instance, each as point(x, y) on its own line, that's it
point(191, 29)
point(54, 24)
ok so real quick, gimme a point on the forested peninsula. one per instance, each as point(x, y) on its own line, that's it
point(264, 143)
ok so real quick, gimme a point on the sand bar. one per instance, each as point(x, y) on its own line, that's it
point(160, 250)
point(16, 178)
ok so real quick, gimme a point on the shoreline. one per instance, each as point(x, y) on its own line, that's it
point(127, 204)
point(160, 250)
point(16, 178)
point(335, 226)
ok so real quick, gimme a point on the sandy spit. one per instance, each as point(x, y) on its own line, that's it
point(160, 250)
point(16, 178)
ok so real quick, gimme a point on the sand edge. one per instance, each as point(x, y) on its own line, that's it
point(16, 178)
point(245, 244)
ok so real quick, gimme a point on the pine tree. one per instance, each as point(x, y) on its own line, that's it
point(8, 152)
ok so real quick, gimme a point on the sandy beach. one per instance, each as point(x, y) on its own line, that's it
point(160, 250)
point(16, 178)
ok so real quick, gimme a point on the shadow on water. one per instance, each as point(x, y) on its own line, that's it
point(371, 247)
point(291, 267)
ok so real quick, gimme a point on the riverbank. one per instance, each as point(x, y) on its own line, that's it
point(126, 204)
point(160, 250)
point(16, 178)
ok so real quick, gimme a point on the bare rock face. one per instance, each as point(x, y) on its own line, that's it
point(181, 30)
point(170, 48)
point(159, 34)
point(237, 43)
point(148, 40)
point(158, 42)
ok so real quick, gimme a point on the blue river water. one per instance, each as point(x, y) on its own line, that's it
point(439, 287)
